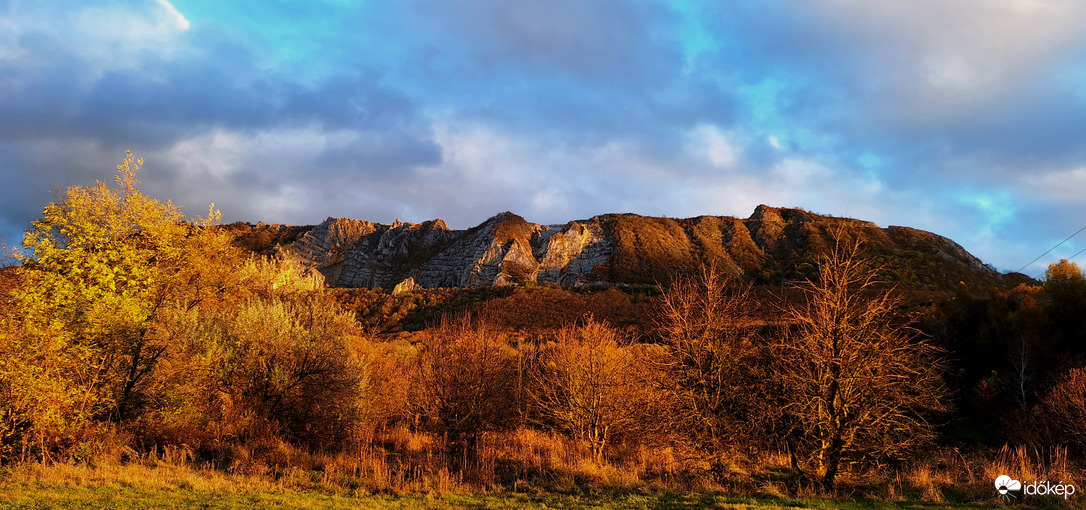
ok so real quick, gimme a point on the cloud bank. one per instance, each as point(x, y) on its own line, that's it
point(963, 118)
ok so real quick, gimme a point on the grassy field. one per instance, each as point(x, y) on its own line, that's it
point(132, 497)
point(140, 486)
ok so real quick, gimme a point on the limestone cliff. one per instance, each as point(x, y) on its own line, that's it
point(772, 245)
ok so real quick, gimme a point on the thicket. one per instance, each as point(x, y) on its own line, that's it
point(134, 332)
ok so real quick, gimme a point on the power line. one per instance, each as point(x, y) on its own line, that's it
point(1080, 252)
point(1005, 319)
point(1052, 248)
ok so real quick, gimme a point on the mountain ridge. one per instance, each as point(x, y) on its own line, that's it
point(773, 244)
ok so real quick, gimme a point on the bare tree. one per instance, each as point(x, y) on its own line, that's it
point(1023, 374)
point(714, 367)
point(858, 380)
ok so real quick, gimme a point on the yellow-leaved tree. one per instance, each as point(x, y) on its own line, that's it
point(129, 317)
point(101, 263)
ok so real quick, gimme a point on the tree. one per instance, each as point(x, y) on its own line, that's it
point(128, 313)
point(103, 263)
point(288, 366)
point(857, 381)
point(588, 383)
point(467, 384)
point(1065, 302)
point(1065, 272)
point(715, 366)
point(1064, 410)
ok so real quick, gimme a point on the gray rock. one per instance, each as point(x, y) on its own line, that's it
point(614, 248)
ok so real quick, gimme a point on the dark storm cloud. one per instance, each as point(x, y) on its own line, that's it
point(163, 101)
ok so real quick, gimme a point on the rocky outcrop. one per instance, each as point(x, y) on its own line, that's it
point(353, 253)
point(773, 244)
point(406, 286)
point(568, 253)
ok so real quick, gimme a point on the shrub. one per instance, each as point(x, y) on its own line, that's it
point(1064, 409)
point(467, 384)
point(587, 383)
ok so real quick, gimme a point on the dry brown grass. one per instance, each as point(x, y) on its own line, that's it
point(950, 475)
point(145, 475)
point(534, 454)
point(1028, 464)
point(399, 461)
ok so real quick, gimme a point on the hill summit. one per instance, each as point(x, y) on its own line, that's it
point(772, 245)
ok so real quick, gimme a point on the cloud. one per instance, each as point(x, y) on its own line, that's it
point(1067, 186)
point(212, 126)
point(714, 144)
point(971, 76)
point(177, 19)
point(597, 40)
point(964, 118)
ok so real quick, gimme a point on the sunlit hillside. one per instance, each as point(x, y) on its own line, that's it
point(135, 339)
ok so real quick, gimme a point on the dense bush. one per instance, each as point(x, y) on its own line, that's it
point(466, 383)
point(590, 383)
point(714, 365)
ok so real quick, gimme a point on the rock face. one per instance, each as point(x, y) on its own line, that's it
point(772, 244)
point(405, 287)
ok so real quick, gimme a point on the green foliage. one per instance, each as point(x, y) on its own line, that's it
point(101, 261)
point(177, 494)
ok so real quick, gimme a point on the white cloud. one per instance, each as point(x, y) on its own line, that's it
point(485, 171)
point(174, 15)
point(222, 153)
point(949, 73)
point(799, 172)
point(9, 40)
point(935, 59)
point(713, 145)
point(1065, 186)
point(103, 36)
point(271, 175)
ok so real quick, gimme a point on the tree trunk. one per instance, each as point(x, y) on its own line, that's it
point(832, 461)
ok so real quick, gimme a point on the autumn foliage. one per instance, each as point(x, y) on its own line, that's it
point(133, 329)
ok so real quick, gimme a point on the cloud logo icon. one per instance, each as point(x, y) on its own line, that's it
point(1005, 484)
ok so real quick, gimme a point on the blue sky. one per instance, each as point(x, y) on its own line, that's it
point(964, 118)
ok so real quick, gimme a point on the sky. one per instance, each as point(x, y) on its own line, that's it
point(964, 118)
